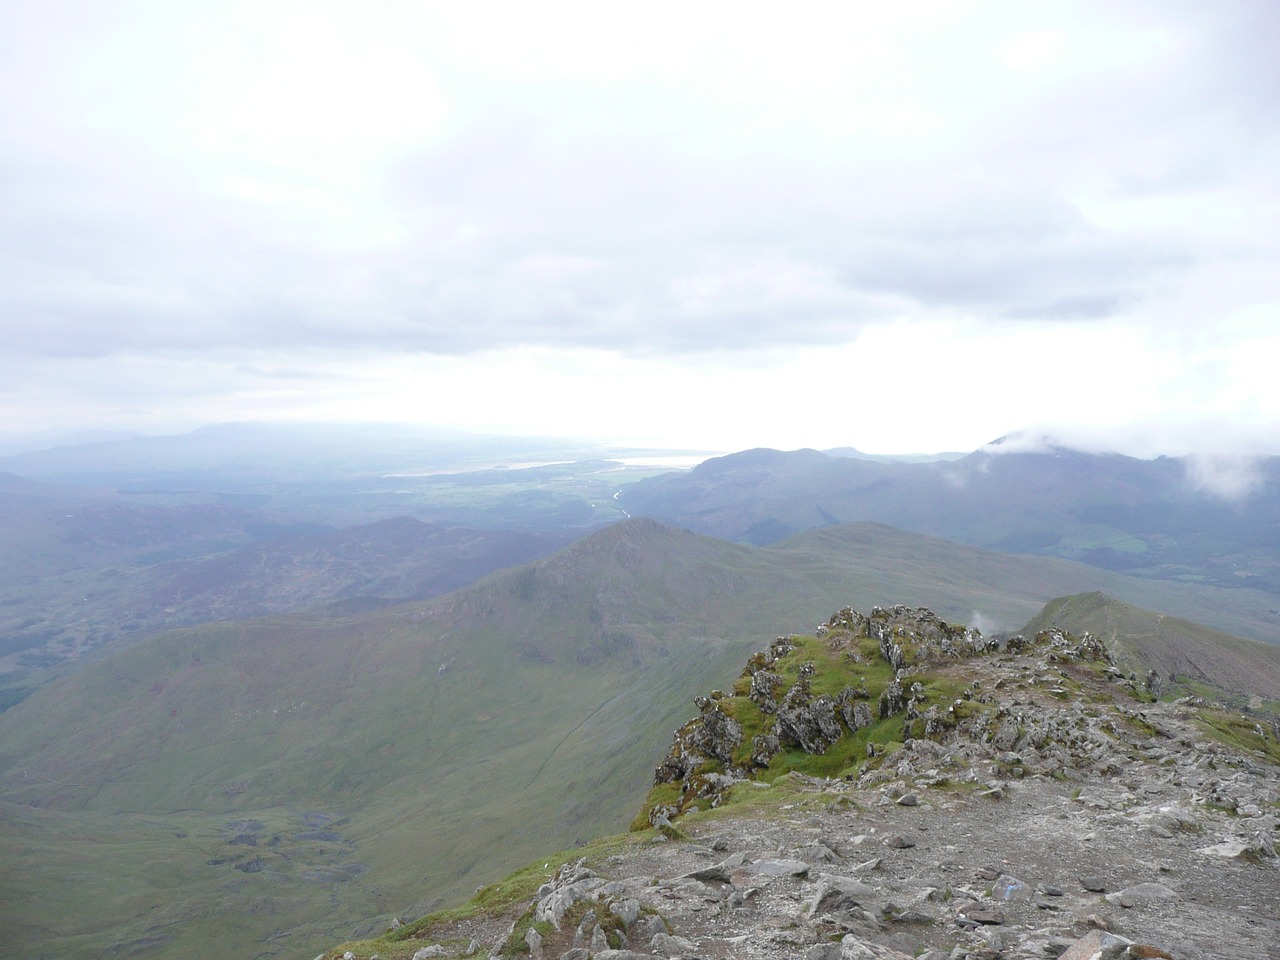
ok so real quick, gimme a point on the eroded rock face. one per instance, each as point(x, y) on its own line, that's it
point(764, 687)
point(716, 734)
point(809, 724)
point(712, 735)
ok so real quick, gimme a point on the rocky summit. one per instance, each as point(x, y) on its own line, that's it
point(894, 786)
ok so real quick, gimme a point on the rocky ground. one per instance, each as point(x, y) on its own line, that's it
point(1080, 825)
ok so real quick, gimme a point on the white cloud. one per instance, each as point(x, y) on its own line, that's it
point(975, 216)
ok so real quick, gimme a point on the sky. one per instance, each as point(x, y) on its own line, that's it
point(901, 227)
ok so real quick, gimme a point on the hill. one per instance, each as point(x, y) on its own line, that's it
point(268, 786)
point(1182, 653)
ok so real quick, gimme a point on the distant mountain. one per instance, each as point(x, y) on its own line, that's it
point(207, 790)
point(1152, 518)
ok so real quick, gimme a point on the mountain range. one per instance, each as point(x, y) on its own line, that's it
point(1168, 518)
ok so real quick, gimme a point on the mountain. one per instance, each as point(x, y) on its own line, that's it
point(1181, 652)
point(1166, 518)
point(895, 786)
point(301, 774)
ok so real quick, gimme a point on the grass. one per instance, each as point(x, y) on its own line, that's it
point(1238, 732)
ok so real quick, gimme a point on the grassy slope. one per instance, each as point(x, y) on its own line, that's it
point(1170, 645)
point(449, 740)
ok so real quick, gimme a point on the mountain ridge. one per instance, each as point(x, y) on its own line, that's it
point(1155, 518)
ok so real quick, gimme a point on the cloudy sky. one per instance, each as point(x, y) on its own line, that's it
point(909, 226)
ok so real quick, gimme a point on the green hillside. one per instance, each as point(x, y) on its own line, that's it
point(1188, 652)
point(262, 788)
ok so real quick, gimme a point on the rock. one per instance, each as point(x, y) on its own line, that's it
point(983, 915)
point(1093, 884)
point(1007, 735)
point(717, 734)
point(714, 874)
point(435, 950)
point(820, 852)
point(1010, 888)
point(1141, 893)
point(1237, 850)
point(764, 685)
point(532, 937)
point(648, 927)
point(892, 700)
point(764, 747)
point(628, 911)
point(899, 842)
point(909, 800)
point(780, 868)
point(599, 943)
point(572, 883)
point(839, 893)
point(809, 724)
point(1143, 951)
point(740, 898)
point(853, 948)
point(666, 945)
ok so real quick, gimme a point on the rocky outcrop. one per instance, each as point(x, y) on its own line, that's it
point(885, 667)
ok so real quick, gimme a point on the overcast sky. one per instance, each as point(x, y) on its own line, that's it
point(897, 226)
